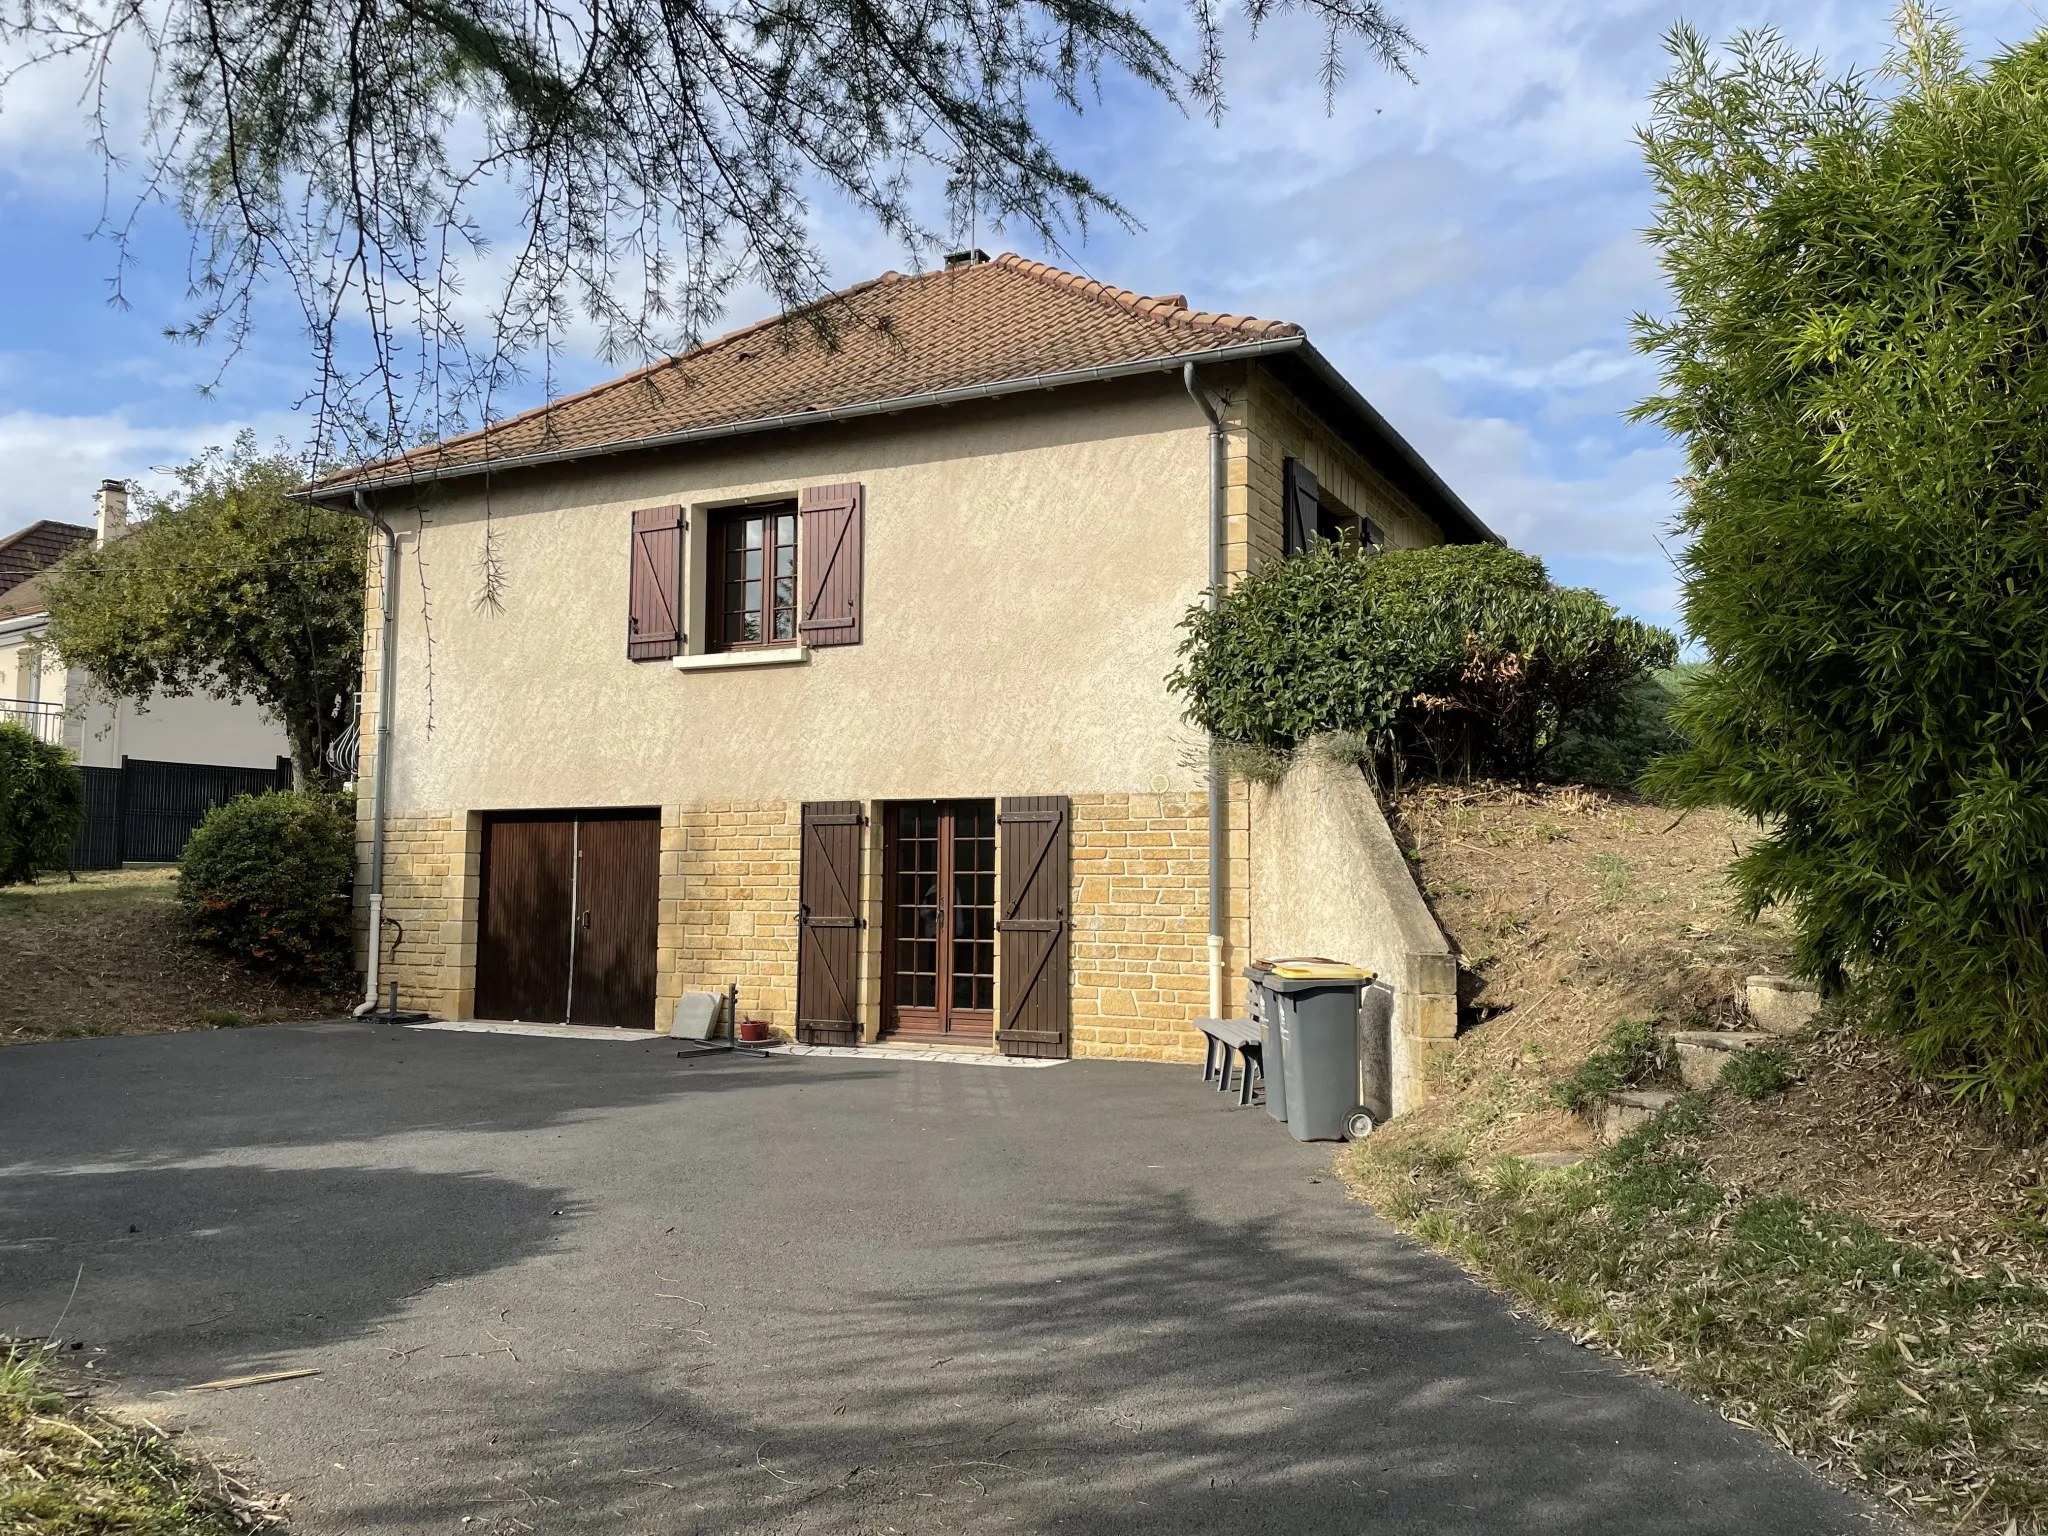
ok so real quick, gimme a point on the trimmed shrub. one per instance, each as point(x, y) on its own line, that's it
point(266, 878)
point(1856, 357)
point(42, 803)
point(1454, 662)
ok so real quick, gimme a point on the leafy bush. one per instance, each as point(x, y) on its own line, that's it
point(42, 802)
point(266, 878)
point(1618, 750)
point(1633, 1053)
point(1856, 358)
point(1450, 662)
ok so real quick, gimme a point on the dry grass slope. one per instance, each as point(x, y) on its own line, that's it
point(1573, 908)
point(107, 955)
point(1570, 908)
point(1852, 1265)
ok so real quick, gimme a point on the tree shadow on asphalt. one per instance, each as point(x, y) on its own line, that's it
point(1122, 1366)
point(165, 1098)
point(203, 1273)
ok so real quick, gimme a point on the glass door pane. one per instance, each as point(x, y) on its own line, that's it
point(973, 926)
point(916, 900)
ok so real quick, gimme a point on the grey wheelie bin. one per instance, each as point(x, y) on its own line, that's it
point(1330, 1024)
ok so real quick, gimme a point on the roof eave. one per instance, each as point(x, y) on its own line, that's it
point(1458, 520)
point(867, 408)
point(1466, 526)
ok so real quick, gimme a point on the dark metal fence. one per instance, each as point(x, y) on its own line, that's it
point(144, 811)
point(98, 844)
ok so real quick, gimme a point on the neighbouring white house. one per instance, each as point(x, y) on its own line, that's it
point(189, 753)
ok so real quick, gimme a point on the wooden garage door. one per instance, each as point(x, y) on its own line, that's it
point(566, 919)
point(523, 920)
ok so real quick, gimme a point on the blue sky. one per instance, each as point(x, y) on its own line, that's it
point(1465, 248)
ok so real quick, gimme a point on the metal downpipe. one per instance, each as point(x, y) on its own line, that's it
point(381, 774)
point(1219, 780)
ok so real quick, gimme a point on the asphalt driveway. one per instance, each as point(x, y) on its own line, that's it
point(565, 1286)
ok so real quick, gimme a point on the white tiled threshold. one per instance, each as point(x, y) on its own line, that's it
point(603, 1032)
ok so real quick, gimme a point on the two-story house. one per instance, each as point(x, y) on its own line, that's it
point(829, 657)
point(153, 767)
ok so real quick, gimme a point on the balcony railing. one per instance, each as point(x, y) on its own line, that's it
point(43, 721)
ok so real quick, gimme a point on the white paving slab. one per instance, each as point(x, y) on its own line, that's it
point(546, 1031)
point(898, 1053)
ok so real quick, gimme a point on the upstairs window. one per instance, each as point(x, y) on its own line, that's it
point(1310, 515)
point(754, 590)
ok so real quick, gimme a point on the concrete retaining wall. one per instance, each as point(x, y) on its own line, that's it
point(1329, 879)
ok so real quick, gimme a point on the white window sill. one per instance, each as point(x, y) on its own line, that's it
point(719, 661)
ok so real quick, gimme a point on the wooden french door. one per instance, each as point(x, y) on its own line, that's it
point(566, 919)
point(939, 942)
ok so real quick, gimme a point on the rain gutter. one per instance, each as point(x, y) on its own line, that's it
point(380, 781)
point(1219, 778)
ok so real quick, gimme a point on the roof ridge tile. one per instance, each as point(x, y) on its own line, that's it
point(1168, 309)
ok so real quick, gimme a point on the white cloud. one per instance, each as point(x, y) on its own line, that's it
point(1466, 247)
point(54, 464)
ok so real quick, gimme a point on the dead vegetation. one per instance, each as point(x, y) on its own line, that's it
point(1848, 1262)
point(66, 1466)
point(107, 954)
point(1855, 1133)
point(1573, 908)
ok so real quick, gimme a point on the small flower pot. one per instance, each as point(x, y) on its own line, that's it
point(753, 1029)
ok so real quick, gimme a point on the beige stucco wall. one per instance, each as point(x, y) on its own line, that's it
point(1268, 425)
point(1025, 572)
point(1329, 879)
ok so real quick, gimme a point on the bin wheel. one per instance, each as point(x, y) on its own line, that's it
point(1359, 1125)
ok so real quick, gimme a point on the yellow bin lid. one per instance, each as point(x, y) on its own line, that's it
point(1320, 970)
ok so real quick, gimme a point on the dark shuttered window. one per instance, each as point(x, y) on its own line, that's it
point(1298, 498)
point(830, 563)
point(753, 588)
point(654, 624)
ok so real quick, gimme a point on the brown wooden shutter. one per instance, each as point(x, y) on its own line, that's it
point(1034, 926)
point(1299, 494)
point(829, 565)
point(828, 924)
point(654, 626)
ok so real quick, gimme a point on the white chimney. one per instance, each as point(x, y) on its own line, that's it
point(113, 509)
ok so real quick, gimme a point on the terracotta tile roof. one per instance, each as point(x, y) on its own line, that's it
point(38, 545)
point(894, 337)
point(24, 597)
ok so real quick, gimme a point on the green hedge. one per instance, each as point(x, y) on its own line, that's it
point(1856, 358)
point(42, 803)
point(1454, 662)
point(267, 877)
